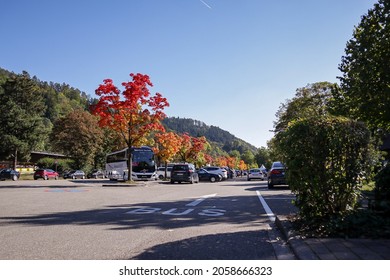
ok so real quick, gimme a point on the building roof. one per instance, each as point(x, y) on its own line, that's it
point(35, 156)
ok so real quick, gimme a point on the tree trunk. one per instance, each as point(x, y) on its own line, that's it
point(130, 164)
point(15, 159)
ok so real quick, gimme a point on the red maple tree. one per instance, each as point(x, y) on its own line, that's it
point(134, 113)
point(192, 148)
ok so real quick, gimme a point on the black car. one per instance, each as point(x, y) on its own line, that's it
point(277, 175)
point(9, 174)
point(204, 175)
point(184, 172)
point(75, 174)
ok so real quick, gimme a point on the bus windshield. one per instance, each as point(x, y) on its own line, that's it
point(143, 160)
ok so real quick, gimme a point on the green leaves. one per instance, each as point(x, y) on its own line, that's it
point(325, 157)
point(21, 116)
point(365, 84)
point(78, 135)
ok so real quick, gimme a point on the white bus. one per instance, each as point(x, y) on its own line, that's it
point(144, 165)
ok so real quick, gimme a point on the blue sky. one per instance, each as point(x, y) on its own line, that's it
point(228, 63)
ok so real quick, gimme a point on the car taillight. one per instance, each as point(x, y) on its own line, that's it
point(275, 171)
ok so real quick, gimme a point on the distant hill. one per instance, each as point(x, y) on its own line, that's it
point(217, 136)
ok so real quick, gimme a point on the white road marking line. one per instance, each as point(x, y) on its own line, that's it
point(199, 200)
point(268, 210)
point(279, 198)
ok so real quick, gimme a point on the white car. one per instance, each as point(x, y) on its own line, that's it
point(256, 173)
point(217, 170)
point(161, 172)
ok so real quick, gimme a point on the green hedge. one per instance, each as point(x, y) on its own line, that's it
point(325, 157)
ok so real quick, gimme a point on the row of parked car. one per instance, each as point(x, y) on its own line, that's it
point(186, 172)
point(224, 172)
point(275, 176)
point(47, 174)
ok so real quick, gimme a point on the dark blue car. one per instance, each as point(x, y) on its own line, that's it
point(9, 174)
point(204, 175)
point(277, 175)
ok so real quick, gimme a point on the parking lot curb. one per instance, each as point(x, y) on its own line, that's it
point(301, 250)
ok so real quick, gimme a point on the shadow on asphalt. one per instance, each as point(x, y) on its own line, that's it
point(246, 245)
point(164, 215)
point(61, 183)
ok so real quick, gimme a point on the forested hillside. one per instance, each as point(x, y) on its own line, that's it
point(59, 99)
point(222, 138)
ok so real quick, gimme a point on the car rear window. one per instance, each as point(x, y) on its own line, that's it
point(180, 167)
point(278, 164)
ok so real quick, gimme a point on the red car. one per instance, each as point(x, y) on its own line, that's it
point(45, 174)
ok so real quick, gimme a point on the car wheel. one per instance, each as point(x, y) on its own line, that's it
point(212, 179)
point(161, 177)
point(14, 178)
point(270, 185)
point(172, 182)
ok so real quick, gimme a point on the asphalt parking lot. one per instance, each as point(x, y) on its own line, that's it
point(93, 219)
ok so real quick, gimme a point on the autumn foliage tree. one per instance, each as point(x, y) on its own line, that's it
point(134, 113)
point(192, 149)
point(167, 146)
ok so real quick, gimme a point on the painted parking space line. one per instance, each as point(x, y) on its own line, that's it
point(280, 198)
point(270, 214)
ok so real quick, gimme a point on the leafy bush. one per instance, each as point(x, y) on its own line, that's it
point(325, 157)
point(361, 223)
point(56, 164)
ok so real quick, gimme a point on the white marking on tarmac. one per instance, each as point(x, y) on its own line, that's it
point(268, 210)
point(199, 200)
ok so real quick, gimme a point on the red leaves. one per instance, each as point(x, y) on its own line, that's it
point(133, 112)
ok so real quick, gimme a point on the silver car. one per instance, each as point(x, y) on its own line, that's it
point(217, 170)
point(256, 173)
